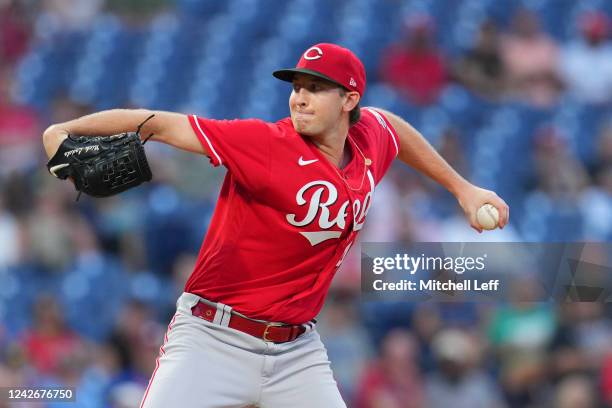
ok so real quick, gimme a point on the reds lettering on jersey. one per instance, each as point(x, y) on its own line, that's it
point(286, 216)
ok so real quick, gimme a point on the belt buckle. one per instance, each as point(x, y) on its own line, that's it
point(268, 325)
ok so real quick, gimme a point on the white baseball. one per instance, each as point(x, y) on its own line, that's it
point(488, 217)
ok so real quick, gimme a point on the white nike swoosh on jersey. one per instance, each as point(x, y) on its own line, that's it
point(303, 162)
point(53, 169)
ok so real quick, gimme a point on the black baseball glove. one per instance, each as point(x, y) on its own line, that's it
point(102, 166)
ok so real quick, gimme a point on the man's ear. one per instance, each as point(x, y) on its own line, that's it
point(352, 99)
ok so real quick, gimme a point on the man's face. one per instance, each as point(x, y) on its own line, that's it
point(316, 105)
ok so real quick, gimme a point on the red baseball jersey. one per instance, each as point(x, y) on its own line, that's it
point(286, 216)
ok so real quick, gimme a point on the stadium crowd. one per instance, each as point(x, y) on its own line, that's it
point(87, 287)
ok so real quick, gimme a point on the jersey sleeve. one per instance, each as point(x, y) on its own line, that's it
point(386, 142)
point(242, 146)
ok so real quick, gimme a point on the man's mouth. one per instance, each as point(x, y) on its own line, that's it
point(304, 115)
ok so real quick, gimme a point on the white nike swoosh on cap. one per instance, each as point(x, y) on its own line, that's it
point(303, 162)
point(53, 169)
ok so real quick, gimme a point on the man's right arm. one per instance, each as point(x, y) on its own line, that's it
point(168, 127)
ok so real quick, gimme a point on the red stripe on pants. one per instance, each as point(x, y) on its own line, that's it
point(161, 353)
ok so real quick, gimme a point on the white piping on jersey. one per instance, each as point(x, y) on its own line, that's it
point(371, 178)
point(212, 149)
point(382, 120)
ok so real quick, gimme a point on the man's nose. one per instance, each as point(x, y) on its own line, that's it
point(301, 96)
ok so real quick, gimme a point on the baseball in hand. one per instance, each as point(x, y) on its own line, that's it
point(488, 217)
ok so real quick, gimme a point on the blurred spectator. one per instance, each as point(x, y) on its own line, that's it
point(582, 340)
point(414, 67)
point(345, 339)
point(105, 383)
point(458, 382)
point(596, 207)
point(71, 368)
point(481, 69)
point(14, 31)
point(18, 192)
point(118, 222)
point(576, 392)
point(417, 221)
point(553, 207)
point(590, 330)
point(50, 345)
point(68, 15)
point(520, 334)
point(394, 380)
point(97, 377)
point(603, 154)
point(596, 201)
point(137, 337)
point(426, 323)
point(606, 379)
point(586, 63)
point(451, 148)
point(20, 129)
point(530, 61)
point(10, 237)
point(51, 218)
point(14, 368)
point(566, 357)
point(559, 174)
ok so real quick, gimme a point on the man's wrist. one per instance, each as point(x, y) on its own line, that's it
point(458, 186)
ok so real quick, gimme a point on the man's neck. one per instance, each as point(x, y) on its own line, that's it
point(333, 146)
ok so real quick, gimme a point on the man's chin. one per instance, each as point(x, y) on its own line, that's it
point(301, 128)
point(305, 133)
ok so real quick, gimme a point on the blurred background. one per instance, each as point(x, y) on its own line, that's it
point(515, 94)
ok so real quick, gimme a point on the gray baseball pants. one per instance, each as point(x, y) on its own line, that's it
point(209, 365)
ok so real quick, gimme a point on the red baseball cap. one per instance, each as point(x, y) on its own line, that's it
point(331, 62)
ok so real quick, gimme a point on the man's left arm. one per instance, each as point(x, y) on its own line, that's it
point(416, 152)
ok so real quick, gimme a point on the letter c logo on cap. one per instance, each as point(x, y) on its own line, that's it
point(309, 53)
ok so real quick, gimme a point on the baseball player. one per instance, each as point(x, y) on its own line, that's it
point(295, 196)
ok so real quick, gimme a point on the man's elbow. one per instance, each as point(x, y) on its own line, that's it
point(52, 138)
point(50, 134)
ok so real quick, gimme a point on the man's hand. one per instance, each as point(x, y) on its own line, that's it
point(471, 198)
